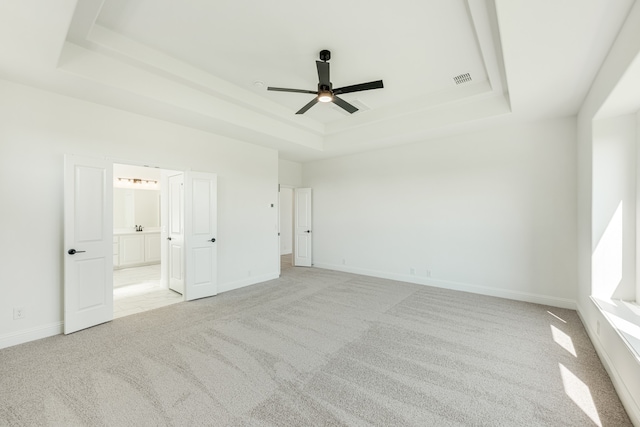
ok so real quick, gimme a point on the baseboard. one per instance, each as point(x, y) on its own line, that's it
point(629, 403)
point(32, 334)
point(141, 264)
point(456, 286)
point(246, 282)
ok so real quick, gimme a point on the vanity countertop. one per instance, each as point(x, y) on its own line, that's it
point(123, 232)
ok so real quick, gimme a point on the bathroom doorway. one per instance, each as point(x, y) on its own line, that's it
point(92, 245)
point(140, 218)
point(286, 227)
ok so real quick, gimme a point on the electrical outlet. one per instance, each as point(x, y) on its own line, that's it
point(344, 261)
point(428, 273)
point(19, 313)
point(412, 271)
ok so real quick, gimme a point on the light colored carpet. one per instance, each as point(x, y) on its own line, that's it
point(317, 347)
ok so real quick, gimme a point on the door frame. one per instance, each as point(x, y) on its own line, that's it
point(164, 262)
point(163, 230)
point(293, 224)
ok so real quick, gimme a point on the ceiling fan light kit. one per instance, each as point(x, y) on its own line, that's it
point(325, 92)
point(325, 96)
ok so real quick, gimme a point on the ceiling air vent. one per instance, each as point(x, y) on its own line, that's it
point(462, 78)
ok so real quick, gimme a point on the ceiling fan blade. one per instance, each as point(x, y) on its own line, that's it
point(344, 104)
point(323, 73)
point(304, 109)
point(360, 87)
point(282, 89)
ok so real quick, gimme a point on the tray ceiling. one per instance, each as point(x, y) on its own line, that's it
point(207, 64)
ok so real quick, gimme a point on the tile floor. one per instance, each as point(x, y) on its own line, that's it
point(286, 262)
point(138, 289)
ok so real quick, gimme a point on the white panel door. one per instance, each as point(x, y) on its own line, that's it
point(175, 253)
point(88, 242)
point(302, 227)
point(201, 271)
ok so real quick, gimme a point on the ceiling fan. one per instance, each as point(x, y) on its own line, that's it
point(325, 92)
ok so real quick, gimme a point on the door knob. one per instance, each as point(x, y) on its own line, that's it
point(168, 238)
point(308, 231)
point(213, 240)
point(73, 252)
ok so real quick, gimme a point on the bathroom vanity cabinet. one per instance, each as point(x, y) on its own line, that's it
point(135, 249)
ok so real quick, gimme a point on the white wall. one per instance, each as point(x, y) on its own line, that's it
point(289, 173)
point(38, 128)
point(490, 212)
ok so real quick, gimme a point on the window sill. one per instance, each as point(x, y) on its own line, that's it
point(624, 316)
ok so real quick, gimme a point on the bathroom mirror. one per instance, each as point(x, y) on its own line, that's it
point(133, 207)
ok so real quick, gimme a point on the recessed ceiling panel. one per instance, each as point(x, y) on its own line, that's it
point(417, 48)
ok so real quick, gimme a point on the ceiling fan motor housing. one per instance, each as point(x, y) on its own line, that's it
point(325, 55)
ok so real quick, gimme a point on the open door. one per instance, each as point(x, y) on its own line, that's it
point(88, 242)
point(302, 227)
point(175, 234)
point(201, 249)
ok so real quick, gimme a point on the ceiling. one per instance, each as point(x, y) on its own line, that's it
point(244, 42)
point(207, 64)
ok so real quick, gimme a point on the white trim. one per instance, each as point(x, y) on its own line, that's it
point(253, 280)
point(627, 399)
point(456, 286)
point(624, 319)
point(32, 334)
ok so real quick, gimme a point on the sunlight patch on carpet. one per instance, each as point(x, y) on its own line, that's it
point(579, 392)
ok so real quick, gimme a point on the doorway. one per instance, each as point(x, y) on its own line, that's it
point(89, 240)
point(295, 227)
point(286, 227)
point(140, 218)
